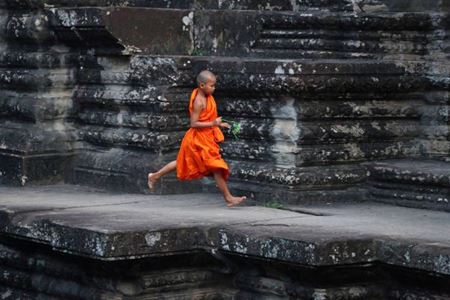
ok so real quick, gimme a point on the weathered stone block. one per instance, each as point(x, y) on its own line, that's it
point(424, 184)
point(21, 170)
point(124, 170)
point(27, 27)
point(170, 32)
point(30, 107)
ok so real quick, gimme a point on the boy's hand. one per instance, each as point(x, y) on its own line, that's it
point(217, 121)
point(225, 125)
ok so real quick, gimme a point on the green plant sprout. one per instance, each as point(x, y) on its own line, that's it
point(235, 128)
point(196, 52)
point(273, 204)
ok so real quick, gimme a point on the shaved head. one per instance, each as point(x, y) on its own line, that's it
point(204, 76)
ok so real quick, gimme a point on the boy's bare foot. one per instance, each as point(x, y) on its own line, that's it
point(152, 181)
point(233, 201)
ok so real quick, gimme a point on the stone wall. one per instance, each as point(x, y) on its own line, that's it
point(321, 88)
point(36, 272)
point(37, 137)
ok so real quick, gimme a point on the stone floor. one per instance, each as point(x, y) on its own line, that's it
point(109, 226)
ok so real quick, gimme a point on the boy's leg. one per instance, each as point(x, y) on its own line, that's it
point(154, 177)
point(222, 185)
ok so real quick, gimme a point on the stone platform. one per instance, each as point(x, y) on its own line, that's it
point(106, 228)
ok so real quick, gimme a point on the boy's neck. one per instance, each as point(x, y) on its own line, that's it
point(201, 92)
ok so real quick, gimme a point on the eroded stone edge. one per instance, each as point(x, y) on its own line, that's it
point(322, 249)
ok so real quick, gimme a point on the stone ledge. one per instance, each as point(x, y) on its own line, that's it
point(21, 169)
point(116, 227)
point(415, 183)
point(199, 4)
point(126, 171)
point(422, 172)
point(298, 6)
point(195, 31)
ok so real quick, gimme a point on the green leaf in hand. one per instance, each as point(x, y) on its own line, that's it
point(235, 128)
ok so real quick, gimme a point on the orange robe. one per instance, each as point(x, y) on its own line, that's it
point(199, 153)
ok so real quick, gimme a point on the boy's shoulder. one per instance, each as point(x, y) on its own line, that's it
point(200, 100)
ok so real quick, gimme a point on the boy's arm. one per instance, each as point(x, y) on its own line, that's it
point(199, 105)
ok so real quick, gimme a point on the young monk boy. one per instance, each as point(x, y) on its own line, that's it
point(199, 152)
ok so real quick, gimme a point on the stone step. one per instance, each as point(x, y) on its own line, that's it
point(31, 107)
point(18, 58)
point(298, 178)
point(29, 138)
point(409, 196)
point(328, 132)
point(373, 34)
point(32, 169)
point(414, 24)
point(416, 183)
point(333, 34)
point(114, 77)
point(167, 137)
point(115, 97)
point(139, 138)
point(260, 193)
point(23, 79)
point(317, 35)
point(35, 153)
point(125, 170)
point(308, 54)
point(318, 155)
point(308, 106)
point(279, 77)
point(423, 172)
point(296, 5)
point(26, 80)
point(321, 109)
point(350, 130)
point(293, 5)
point(26, 29)
point(124, 118)
point(305, 42)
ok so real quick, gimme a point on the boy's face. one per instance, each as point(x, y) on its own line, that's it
point(209, 86)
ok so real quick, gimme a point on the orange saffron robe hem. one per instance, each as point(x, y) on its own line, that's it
point(199, 154)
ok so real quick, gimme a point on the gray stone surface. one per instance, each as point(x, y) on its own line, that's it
point(126, 226)
point(424, 184)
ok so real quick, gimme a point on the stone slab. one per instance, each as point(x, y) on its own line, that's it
point(21, 169)
point(209, 32)
point(418, 183)
point(125, 226)
point(311, 5)
point(423, 172)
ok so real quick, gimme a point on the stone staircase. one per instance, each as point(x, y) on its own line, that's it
point(423, 183)
point(319, 35)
